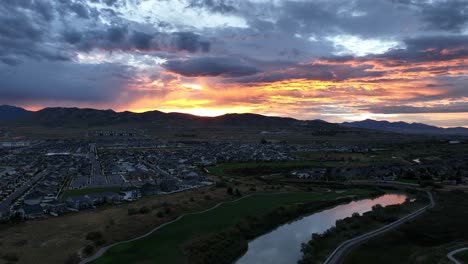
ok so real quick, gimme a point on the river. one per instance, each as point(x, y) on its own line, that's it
point(283, 245)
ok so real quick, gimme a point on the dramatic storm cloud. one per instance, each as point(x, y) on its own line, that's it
point(337, 60)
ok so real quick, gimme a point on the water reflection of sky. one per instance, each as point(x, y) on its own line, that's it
point(283, 245)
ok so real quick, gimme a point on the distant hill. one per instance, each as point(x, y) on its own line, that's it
point(8, 112)
point(405, 128)
point(60, 117)
point(79, 118)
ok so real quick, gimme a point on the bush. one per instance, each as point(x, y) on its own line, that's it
point(238, 193)
point(100, 242)
point(145, 210)
point(192, 199)
point(94, 235)
point(230, 191)
point(88, 250)
point(221, 184)
point(10, 256)
point(160, 214)
point(73, 259)
point(132, 211)
point(207, 197)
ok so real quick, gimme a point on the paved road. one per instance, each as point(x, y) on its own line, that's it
point(337, 255)
point(6, 204)
point(451, 254)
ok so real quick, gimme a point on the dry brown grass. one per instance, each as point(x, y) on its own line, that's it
point(54, 240)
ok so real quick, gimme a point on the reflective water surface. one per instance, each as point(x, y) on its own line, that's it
point(283, 245)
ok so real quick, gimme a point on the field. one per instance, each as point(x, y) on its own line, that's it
point(55, 239)
point(70, 193)
point(163, 246)
point(462, 256)
point(426, 239)
point(269, 167)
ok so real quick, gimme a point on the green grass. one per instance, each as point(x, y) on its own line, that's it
point(426, 239)
point(462, 256)
point(236, 168)
point(70, 193)
point(163, 246)
point(415, 181)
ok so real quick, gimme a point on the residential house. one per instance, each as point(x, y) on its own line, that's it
point(31, 211)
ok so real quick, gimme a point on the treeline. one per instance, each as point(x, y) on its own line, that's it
point(226, 246)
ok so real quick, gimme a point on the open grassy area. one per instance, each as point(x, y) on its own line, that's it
point(55, 239)
point(70, 193)
point(163, 246)
point(269, 167)
point(462, 256)
point(426, 239)
point(414, 181)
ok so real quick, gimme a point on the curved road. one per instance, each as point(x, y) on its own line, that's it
point(337, 255)
point(451, 254)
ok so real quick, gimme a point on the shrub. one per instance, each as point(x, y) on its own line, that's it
point(160, 214)
point(230, 191)
point(207, 197)
point(73, 259)
point(145, 210)
point(88, 250)
point(132, 211)
point(100, 242)
point(10, 256)
point(94, 235)
point(221, 184)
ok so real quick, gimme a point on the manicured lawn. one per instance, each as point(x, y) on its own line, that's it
point(70, 193)
point(163, 246)
point(462, 256)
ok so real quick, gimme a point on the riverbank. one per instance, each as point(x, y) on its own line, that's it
point(166, 245)
point(322, 245)
point(426, 239)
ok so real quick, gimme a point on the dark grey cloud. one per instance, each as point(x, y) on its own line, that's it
point(211, 66)
point(191, 42)
point(28, 29)
point(418, 49)
point(122, 38)
point(38, 81)
point(315, 71)
point(407, 109)
point(79, 9)
point(449, 15)
point(219, 6)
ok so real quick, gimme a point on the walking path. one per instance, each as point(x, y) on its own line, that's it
point(103, 250)
point(341, 251)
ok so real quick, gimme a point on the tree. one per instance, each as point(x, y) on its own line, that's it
point(230, 191)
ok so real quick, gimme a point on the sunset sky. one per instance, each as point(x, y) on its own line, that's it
point(336, 60)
